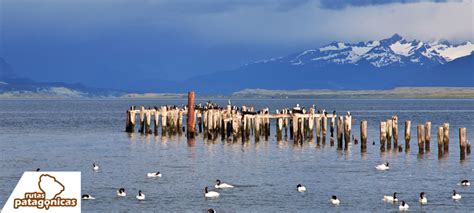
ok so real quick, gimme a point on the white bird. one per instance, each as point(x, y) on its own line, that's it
point(140, 195)
point(423, 199)
point(210, 194)
point(335, 200)
point(87, 197)
point(95, 167)
point(403, 206)
point(388, 198)
point(121, 192)
point(300, 188)
point(154, 174)
point(456, 196)
point(465, 183)
point(220, 185)
point(382, 167)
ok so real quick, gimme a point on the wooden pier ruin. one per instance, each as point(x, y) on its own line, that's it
point(296, 123)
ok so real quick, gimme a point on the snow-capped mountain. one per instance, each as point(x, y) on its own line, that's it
point(393, 51)
point(379, 64)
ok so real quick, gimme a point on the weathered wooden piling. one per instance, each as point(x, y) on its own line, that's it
point(347, 130)
point(363, 136)
point(462, 142)
point(419, 132)
point(440, 141)
point(427, 136)
point(332, 123)
point(148, 121)
point(142, 119)
point(191, 125)
point(407, 135)
point(383, 135)
point(318, 129)
point(340, 129)
point(164, 120)
point(389, 134)
point(324, 122)
point(446, 138)
point(130, 121)
point(395, 130)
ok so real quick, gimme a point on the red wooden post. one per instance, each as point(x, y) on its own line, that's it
point(190, 116)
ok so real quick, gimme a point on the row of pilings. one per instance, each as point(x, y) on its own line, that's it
point(296, 123)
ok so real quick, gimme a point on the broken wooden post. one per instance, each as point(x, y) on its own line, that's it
point(156, 120)
point(363, 136)
point(462, 142)
point(318, 129)
point(446, 138)
point(347, 130)
point(440, 142)
point(332, 123)
point(130, 122)
point(407, 135)
point(164, 120)
point(389, 134)
point(148, 121)
point(191, 125)
point(324, 128)
point(427, 136)
point(395, 130)
point(383, 135)
point(142, 119)
point(340, 129)
point(419, 132)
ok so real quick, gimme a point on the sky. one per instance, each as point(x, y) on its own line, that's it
point(116, 43)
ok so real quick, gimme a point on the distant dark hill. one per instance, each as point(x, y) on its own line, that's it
point(11, 85)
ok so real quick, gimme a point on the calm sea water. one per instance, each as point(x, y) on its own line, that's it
point(59, 135)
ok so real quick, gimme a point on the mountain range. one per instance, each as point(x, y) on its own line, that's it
point(378, 64)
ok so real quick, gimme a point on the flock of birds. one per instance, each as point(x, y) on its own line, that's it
point(300, 188)
point(422, 199)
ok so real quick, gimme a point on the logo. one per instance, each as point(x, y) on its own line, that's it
point(46, 192)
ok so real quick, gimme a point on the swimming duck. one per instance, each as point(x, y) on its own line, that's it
point(140, 195)
point(95, 167)
point(456, 196)
point(220, 185)
point(87, 197)
point(211, 211)
point(465, 183)
point(210, 194)
point(335, 200)
point(403, 206)
point(382, 167)
point(300, 188)
point(121, 192)
point(154, 174)
point(422, 198)
point(388, 198)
